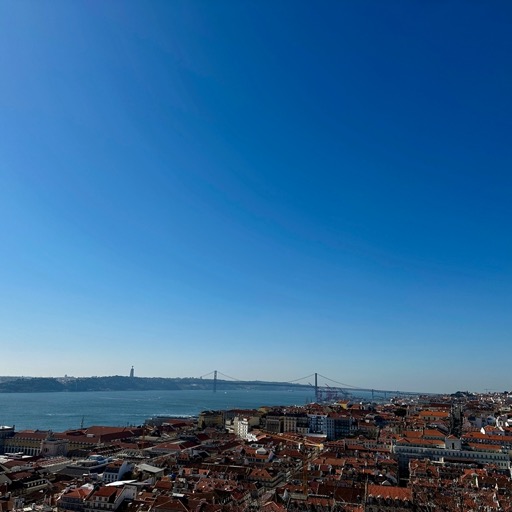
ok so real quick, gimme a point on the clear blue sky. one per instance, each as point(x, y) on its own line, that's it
point(264, 188)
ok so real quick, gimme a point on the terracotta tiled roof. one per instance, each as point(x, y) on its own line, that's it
point(388, 491)
point(272, 506)
point(105, 492)
point(165, 503)
point(434, 414)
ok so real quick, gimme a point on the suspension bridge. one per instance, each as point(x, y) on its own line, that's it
point(325, 388)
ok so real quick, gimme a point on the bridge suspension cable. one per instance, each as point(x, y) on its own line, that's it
point(336, 382)
point(340, 385)
point(302, 378)
point(212, 373)
point(227, 376)
point(206, 374)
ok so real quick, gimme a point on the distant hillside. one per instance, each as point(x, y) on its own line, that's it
point(121, 383)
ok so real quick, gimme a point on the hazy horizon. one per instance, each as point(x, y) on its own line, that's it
point(270, 190)
point(322, 381)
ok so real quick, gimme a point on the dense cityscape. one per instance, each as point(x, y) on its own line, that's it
point(426, 453)
point(312, 197)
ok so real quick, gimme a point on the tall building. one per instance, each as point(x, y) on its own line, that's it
point(132, 373)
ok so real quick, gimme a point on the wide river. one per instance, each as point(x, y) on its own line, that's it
point(61, 411)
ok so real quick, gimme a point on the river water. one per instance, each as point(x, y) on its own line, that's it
point(61, 411)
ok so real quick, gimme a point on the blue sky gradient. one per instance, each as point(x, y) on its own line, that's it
point(264, 188)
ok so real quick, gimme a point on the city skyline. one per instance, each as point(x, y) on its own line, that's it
point(269, 190)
